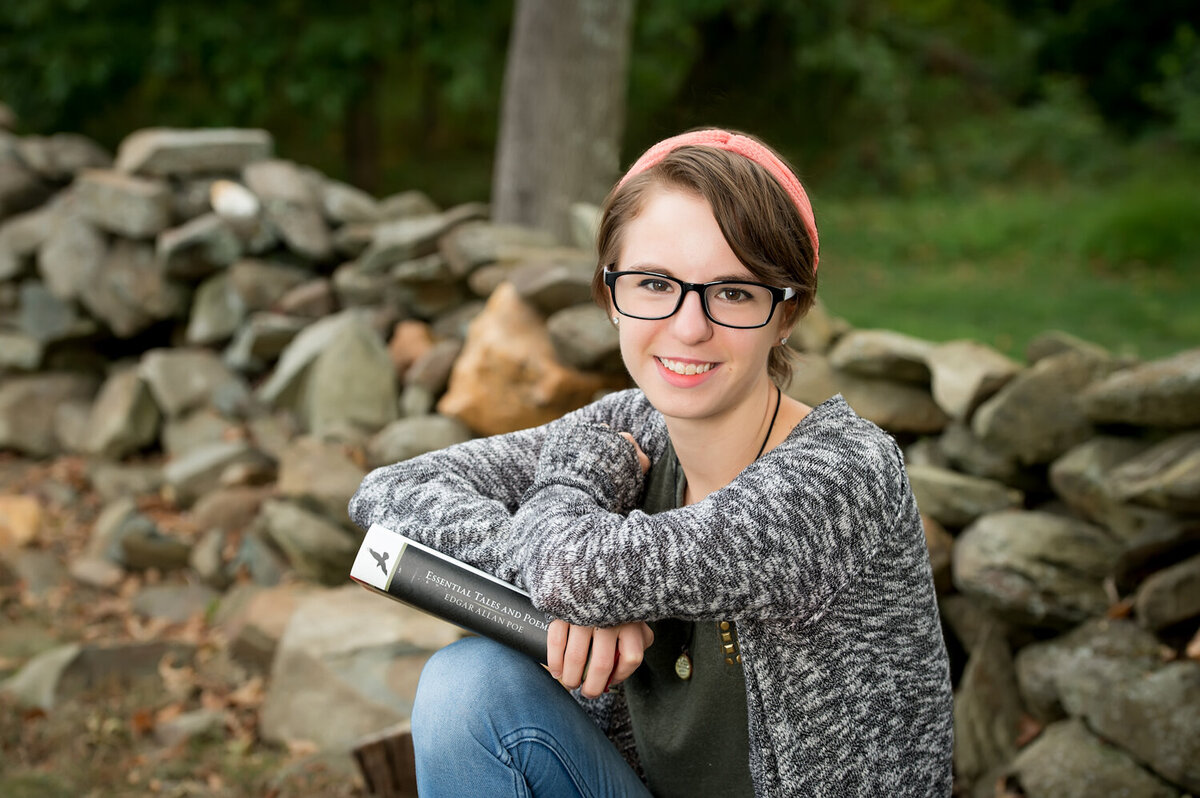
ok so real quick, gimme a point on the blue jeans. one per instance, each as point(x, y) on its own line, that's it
point(489, 721)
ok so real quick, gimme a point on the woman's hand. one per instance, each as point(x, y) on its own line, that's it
point(615, 653)
point(643, 460)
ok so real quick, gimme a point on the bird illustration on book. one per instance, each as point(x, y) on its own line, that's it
point(381, 559)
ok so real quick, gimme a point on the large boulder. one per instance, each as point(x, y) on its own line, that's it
point(1164, 393)
point(1166, 476)
point(1036, 568)
point(28, 406)
point(1035, 417)
point(167, 151)
point(508, 377)
point(124, 417)
point(135, 207)
point(957, 499)
point(185, 379)
point(882, 353)
point(965, 373)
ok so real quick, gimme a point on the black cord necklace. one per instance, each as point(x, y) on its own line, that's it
point(683, 663)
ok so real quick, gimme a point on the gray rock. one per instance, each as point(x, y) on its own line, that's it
point(405, 204)
point(987, 710)
point(217, 311)
point(302, 229)
point(431, 371)
point(352, 240)
point(345, 204)
point(454, 323)
point(238, 206)
point(61, 156)
point(312, 300)
point(63, 673)
point(96, 572)
point(258, 560)
point(584, 337)
point(21, 188)
point(316, 548)
point(124, 417)
point(817, 331)
point(478, 243)
point(1164, 393)
point(135, 207)
point(552, 285)
point(965, 373)
point(1068, 761)
point(174, 603)
point(332, 683)
point(882, 353)
point(27, 409)
point(320, 474)
point(897, 407)
point(1082, 660)
point(956, 500)
point(184, 379)
point(1170, 596)
point(278, 179)
point(261, 284)
point(968, 620)
point(196, 429)
point(117, 480)
point(200, 470)
point(261, 340)
point(166, 151)
point(20, 352)
point(198, 247)
point(45, 318)
point(1166, 476)
point(1035, 568)
point(401, 240)
point(416, 401)
point(71, 256)
point(22, 235)
point(584, 221)
point(355, 288)
point(207, 559)
point(1162, 702)
point(285, 386)
point(813, 380)
point(1080, 478)
point(414, 436)
point(351, 382)
point(131, 290)
point(1055, 342)
point(1035, 417)
point(426, 287)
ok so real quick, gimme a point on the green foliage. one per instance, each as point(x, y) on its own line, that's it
point(1178, 95)
point(1144, 224)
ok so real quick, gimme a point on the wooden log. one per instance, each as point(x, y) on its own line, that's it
point(387, 762)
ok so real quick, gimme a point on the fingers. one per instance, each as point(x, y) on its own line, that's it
point(600, 664)
point(579, 638)
point(631, 643)
point(556, 646)
point(643, 460)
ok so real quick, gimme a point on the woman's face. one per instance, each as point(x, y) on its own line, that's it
point(676, 234)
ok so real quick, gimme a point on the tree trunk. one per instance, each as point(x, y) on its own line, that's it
point(563, 110)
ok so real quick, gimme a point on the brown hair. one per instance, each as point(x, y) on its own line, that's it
point(757, 217)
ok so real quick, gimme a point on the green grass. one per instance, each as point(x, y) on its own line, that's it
point(1120, 267)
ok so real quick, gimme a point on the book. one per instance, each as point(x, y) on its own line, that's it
point(404, 570)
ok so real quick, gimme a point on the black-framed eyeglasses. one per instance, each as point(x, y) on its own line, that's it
point(739, 304)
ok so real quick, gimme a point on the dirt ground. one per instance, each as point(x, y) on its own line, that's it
point(121, 737)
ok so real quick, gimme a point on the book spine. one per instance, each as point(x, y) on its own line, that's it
point(391, 564)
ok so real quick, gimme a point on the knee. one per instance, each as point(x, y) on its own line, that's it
point(464, 685)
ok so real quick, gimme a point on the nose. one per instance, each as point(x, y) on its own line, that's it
point(690, 323)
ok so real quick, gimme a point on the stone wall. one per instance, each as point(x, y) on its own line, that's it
point(243, 337)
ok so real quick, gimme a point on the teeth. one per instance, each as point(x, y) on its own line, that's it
point(685, 368)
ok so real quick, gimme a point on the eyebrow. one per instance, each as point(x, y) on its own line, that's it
point(726, 278)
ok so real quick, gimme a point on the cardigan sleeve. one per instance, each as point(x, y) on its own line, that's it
point(781, 540)
point(461, 500)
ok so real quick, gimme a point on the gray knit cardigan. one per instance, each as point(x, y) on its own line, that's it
point(816, 550)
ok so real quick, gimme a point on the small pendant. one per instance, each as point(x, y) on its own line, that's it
point(683, 666)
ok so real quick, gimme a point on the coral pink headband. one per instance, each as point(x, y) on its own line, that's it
point(747, 148)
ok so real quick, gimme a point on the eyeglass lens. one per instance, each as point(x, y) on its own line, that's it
point(656, 297)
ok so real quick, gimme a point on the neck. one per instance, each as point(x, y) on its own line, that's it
point(713, 451)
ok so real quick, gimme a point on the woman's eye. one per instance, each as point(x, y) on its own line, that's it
point(655, 286)
point(732, 294)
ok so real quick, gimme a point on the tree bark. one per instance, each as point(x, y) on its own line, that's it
point(563, 110)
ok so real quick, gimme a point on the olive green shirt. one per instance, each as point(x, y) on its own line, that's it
point(692, 735)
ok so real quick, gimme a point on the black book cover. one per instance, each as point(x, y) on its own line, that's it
point(402, 569)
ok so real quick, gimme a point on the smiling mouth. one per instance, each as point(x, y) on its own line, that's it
point(686, 369)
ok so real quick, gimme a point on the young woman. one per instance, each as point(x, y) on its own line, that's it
point(751, 571)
